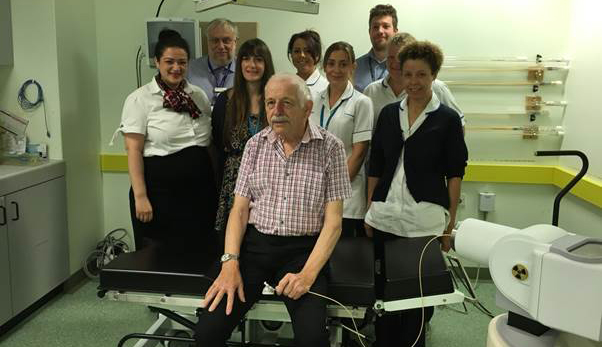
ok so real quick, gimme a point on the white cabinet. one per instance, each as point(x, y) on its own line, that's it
point(37, 241)
point(6, 308)
point(34, 251)
point(6, 34)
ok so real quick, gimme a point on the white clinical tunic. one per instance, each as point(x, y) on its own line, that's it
point(382, 94)
point(351, 120)
point(165, 131)
point(316, 83)
point(400, 214)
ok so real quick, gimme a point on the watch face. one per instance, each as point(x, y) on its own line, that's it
point(228, 256)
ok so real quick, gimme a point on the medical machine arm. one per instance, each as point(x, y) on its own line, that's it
point(550, 275)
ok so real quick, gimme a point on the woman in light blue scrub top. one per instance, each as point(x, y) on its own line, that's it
point(348, 114)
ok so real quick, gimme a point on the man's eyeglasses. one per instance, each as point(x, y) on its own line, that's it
point(225, 40)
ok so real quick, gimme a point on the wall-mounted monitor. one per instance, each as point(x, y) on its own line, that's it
point(188, 29)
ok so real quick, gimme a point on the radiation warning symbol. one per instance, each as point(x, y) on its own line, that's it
point(520, 272)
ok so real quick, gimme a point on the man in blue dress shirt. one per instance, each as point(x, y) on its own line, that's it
point(372, 66)
point(214, 72)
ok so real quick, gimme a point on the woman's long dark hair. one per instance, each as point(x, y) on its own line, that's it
point(239, 104)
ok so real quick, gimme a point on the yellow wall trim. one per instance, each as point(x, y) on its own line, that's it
point(114, 163)
point(509, 173)
point(588, 189)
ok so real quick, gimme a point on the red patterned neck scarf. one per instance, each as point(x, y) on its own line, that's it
point(177, 99)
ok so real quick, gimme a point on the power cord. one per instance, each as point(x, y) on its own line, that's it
point(28, 105)
point(159, 8)
point(355, 331)
point(463, 277)
point(106, 250)
point(475, 285)
point(472, 299)
point(138, 81)
point(139, 58)
point(420, 285)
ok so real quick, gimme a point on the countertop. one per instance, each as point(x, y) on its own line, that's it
point(15, 177)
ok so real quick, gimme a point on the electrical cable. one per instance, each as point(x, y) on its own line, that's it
point(24, 102)
point(159, 8)
point(106, 250)
point(139, 66)
point(138, 81)
point(28, 105)
point(420, 285)
point(473, 298)
point(455, 282)
point(476, 280)
point(464, 279)
point(480, 306)
point(355, 331)
point(460, 278)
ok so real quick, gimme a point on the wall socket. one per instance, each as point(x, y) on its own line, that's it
point(486, 202)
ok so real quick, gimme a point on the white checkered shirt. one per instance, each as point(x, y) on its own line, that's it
point(288, 195)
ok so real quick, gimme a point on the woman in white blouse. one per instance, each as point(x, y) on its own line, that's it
point(305, 52)
point(167, 128)
point(347, 114)
point(391, 88)
point(417, 162)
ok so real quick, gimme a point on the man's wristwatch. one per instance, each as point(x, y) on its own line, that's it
point(228, 256)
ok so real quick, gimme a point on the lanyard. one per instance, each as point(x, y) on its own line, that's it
point(372, 72)
point(220, 84)
point(332, 112)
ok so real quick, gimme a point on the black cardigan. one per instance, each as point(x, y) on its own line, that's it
point(434, 153)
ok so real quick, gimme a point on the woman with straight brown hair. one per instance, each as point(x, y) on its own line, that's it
point(348, 114)
point(238, 114)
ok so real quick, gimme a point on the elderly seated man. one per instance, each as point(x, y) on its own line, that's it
point(285, 221)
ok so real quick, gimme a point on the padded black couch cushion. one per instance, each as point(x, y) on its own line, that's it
point(401, 271)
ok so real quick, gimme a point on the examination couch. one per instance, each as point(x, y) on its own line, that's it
point(175, 282)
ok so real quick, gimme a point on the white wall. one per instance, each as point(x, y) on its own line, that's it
point(80, 122)
point(35, 57)
point(467, 28)
point(583, 121)
point(522, 205)
point(55, 44)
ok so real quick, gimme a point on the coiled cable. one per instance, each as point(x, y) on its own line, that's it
point(28, 105)
point(106, 250)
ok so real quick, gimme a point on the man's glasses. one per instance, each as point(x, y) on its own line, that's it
point(225, 40)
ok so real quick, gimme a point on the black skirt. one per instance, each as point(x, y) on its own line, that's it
point(181, 190)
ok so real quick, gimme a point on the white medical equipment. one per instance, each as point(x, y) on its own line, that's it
point(541, 272)
point(546, 277)
point(187, 28)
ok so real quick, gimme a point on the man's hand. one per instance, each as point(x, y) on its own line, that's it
point(295, 285)
point(228, 282)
